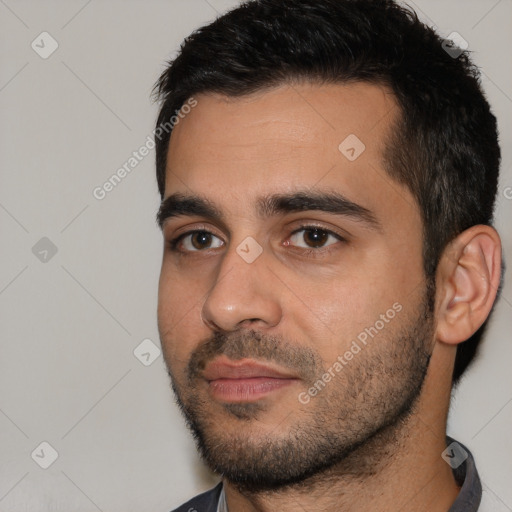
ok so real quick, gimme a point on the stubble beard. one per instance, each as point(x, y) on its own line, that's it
point(366, 405)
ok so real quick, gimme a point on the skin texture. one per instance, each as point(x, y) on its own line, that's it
point(378, 426)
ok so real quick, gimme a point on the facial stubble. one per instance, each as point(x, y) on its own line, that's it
point(366, 402)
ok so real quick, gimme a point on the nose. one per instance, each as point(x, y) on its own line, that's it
point(243, 295)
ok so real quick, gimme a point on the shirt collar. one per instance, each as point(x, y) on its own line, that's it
point(466, 476)
point(222, 505)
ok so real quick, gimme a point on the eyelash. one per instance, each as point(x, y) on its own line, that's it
point(173, 244)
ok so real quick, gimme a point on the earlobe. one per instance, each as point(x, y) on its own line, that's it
point(468, 280)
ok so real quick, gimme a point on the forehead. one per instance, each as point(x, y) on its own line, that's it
point(292, 137)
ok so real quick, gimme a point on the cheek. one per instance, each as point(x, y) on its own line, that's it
point(178, 317)
point(324, 314)
point(179, 293)
point(348, 305)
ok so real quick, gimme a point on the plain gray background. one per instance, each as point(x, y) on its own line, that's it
point(70, 321)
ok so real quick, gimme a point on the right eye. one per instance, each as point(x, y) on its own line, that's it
point(195, 241)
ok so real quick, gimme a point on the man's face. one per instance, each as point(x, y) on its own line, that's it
point(292, 299)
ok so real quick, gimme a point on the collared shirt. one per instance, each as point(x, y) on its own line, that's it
point(465, 473)
point(466, 476)
point(222, 506)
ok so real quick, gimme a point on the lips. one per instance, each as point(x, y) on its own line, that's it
point(224, 368)
point(245, 380)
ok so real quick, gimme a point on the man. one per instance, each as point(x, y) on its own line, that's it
point(329, 261)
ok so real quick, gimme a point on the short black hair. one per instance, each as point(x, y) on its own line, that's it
point(444, 147)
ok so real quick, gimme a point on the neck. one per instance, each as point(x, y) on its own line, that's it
point(400, 468)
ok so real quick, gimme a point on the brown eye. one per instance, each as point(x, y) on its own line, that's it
point(199, 240)
point(313, 238)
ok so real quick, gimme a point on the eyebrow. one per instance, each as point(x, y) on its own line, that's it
point(179, 204)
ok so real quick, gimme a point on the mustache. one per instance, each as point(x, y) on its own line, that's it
point(302, 361)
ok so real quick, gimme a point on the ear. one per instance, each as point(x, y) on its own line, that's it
point(468, 278)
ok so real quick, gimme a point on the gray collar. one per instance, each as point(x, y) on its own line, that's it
point(465, 474)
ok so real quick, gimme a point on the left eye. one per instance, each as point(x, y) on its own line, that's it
point(199, 240)
point(313, 238)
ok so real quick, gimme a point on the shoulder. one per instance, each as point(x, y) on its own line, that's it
point(206, 502)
